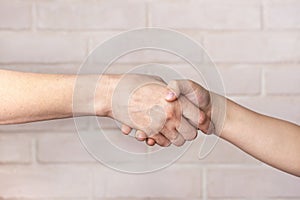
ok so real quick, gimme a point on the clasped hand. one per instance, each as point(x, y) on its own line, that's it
point(161, 113)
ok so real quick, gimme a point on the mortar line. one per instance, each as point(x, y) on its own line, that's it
point(262, 15)
point(204, 184)
point(263, 82)
point(147, 17)
point(33, 17)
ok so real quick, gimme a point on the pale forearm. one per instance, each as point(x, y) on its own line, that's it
point(273, 141)
point(28, 97)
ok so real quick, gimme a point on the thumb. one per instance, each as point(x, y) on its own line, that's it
point(176, 87)
point(188, 88)
point(173, 91)
point(171, 96)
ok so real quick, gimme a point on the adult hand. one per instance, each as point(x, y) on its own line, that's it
point(199, 96)
point(138, 101)
point(254, 133)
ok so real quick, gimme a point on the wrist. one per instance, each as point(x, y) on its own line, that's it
point(218, 112)
point(103, 95)
point(93, 94)
point(232, 117)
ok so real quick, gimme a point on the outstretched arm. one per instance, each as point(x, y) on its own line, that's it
point(135, 100)
point(273, 141)
point(28, 97)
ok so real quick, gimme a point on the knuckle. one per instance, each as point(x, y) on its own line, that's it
point(178, 125)
point(170, 114)
point(166, 143)
point(174, 85)
point(202, 118)
point(173, 136)
point(160, 140)
point(178, 143)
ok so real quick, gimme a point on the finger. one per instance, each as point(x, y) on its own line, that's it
point(161, 140)
point(126, 129)
point(140, 135)
point(196, 116)
point(173, 136)
point(150, 141)
point(188, 131)
point(207, 127)
point(171, 96)
point(193, 91)
point(179, 87)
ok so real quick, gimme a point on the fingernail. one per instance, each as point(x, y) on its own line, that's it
point(170, 95)
point(139, 136)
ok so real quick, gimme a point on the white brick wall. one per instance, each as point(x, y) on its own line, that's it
point(147, 185)
point(62, 125)
point(234, 182)
point(61, 148)
point(91, 15)
point(195, 14)
point(44, 181)
point(254, 47)
point(42, 48)
point(255, 43)
point(282, 14)
point(15, 149)
point(284, 107)
point(15, 16)
point(284, 80)
point(222, 153)
point(241, 79)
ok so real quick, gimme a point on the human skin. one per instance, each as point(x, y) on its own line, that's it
point(143, 97)
point(29, 97)
point(273, 141)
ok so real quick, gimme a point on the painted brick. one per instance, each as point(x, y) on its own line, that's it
point(56, 148)
point(46, 181)
point(284, 80)
point(253, 47)
point(100, 37)
point(215, 15)
point(286, 108)
point(42, 48)
point(63, 33)
point(145, 198)
point(104, 145)
point(241, 79)
point(43, 68)
point(173, 182)
point(282, 14)
point(15, 15)
point(54, 126)
point(254, 183)
point(15, 148)
point(90, 15)
point(143, 56)
point(222, 153)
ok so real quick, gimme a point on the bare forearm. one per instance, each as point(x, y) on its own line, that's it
point(273, 141)
point(28, 97)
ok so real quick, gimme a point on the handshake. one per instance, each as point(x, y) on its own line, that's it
point(161, 113)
